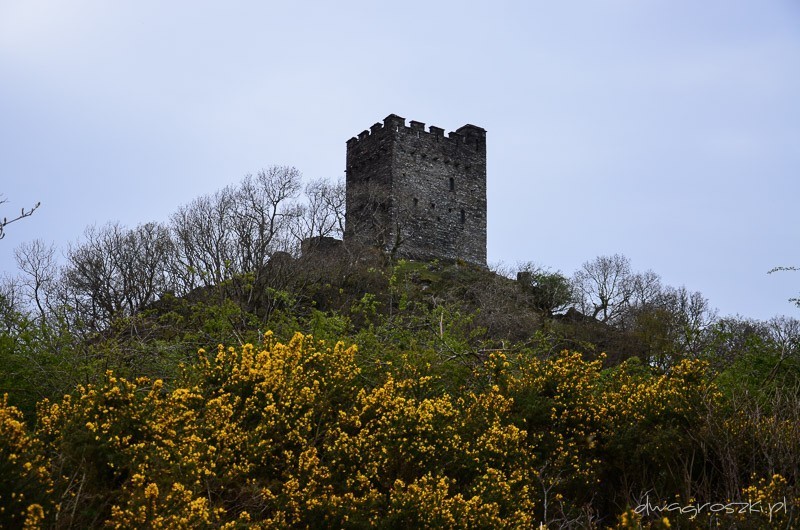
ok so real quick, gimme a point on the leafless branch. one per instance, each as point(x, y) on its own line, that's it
point(22, 214)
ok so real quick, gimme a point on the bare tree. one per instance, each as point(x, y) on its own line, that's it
point(37, 262)
point(264, 213)
point(22, 214)
point(690, 315)
point(785, 334)
point(206, 247)
point(334, 197)
point(646, 288)
point(604, 287)
point(322, 214)
point(226, 241)
point(143, 262)
point(235, 230)
point(117, 271)
point(262, 226)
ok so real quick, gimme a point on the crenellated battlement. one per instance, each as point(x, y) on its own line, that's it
point(468, 134)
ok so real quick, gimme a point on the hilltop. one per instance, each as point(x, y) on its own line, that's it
point(231, 368)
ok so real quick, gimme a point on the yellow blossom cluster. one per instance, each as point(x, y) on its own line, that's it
point(25, 484)
point(281, 436)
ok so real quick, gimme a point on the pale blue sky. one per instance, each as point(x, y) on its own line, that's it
point(668, 131)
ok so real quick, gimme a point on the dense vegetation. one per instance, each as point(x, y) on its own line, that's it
point(207, 373)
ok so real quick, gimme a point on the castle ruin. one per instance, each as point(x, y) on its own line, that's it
point(418, 194)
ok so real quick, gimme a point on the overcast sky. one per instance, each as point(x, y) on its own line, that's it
point(668, 131)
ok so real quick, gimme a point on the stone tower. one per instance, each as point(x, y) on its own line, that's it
point(418, 194)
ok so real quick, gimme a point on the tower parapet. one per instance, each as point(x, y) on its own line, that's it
point(393, 122)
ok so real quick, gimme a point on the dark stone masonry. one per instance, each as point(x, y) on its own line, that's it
point(418, 194)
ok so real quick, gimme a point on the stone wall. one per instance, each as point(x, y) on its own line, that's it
point(418, 194)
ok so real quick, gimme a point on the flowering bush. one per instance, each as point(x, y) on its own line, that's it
point(296, 435)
